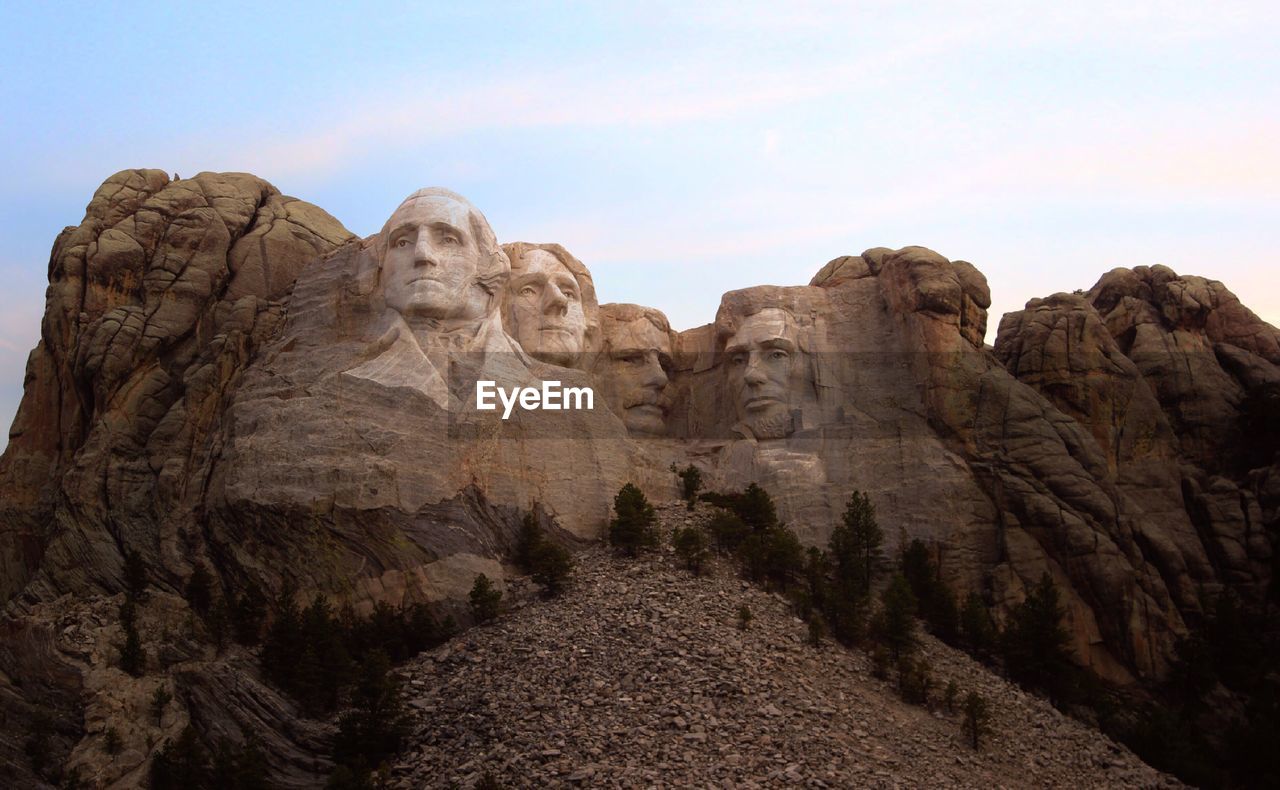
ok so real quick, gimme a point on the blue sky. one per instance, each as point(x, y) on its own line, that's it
point(679, 152)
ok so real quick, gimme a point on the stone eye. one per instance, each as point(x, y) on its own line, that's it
point(778, 354)
point(402, 243)
point(528, 290)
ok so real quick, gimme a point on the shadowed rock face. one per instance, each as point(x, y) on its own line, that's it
point(157, 301)
point(226, 374)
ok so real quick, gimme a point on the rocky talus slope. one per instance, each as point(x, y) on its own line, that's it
point(640, 676)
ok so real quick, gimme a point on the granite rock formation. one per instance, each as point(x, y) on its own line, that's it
point(227, 376)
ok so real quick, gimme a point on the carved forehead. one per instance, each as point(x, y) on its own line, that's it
point(540, 262)
point(428, 209)
point(638, 335)
point(771, 323)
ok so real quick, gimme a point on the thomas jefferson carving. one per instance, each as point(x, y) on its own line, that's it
point(632, 368)
point(550, 305)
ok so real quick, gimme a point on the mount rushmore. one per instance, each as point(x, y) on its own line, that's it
point(226, 375)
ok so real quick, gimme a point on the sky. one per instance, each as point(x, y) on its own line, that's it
point(680, 150)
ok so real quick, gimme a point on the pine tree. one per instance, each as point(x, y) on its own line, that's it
point(133, 658)
point(485, 600)
point(181, 764)
point(937, 603)
point(375, 728)
point(1037, 648)
point(977, 719)
point(283, 644)
point(690, 483)
point(728, 530)
point(855, 546)
point(248, 614)
point(756, 509)
point(895, 622)
point(200, 590)
point(691, 547)
point(159, 701)
point(527, 543)
point(633, 526)
point(977, 629)
point(552, 566)
point(135, 574)
point(219, 622)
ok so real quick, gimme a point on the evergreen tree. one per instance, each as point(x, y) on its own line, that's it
point(728, 530)
point(977, 719)
point(283, 644)
point(855, 546)
point(219, 623)
point(238, 768)
point(633, 526)
point(914, 680)
point(375, 728)
point(936, 601)
point(1036, 646)
point(527, 543)
point(977, 629)
point(817, 629)
point(817, 569)
point(159, 701)
point(552, 566)
point(421, 629)
point(895, 622)
point(135, 574)
point(111, 743)
point(324, 666)
point(691, 547)
point(485, 599)
point(756, 509)
point(248, 614)
point(133, 658)
point(690, 483)
point(773, 556)
point(181, 764)
point(200, 590)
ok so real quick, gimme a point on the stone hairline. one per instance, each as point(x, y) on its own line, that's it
point(494, 267)
point(517, 250)
point(626, 313)
point(727, 327)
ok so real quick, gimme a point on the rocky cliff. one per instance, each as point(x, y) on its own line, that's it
point(225, 375)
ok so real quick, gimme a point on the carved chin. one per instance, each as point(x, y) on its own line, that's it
point(773, 424)
point(645, 420)
point(555, 356)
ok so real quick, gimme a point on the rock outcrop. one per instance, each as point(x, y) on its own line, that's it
point(227, 376)
point(157, 302)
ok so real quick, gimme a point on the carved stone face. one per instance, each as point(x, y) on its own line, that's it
point(763, 363)
point(633, 376)
point(429, 268)
point(546, 306)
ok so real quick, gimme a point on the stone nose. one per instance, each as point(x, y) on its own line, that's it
point(554, 302)
point(424, 253)
point(754, 373)
point(655, 377)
